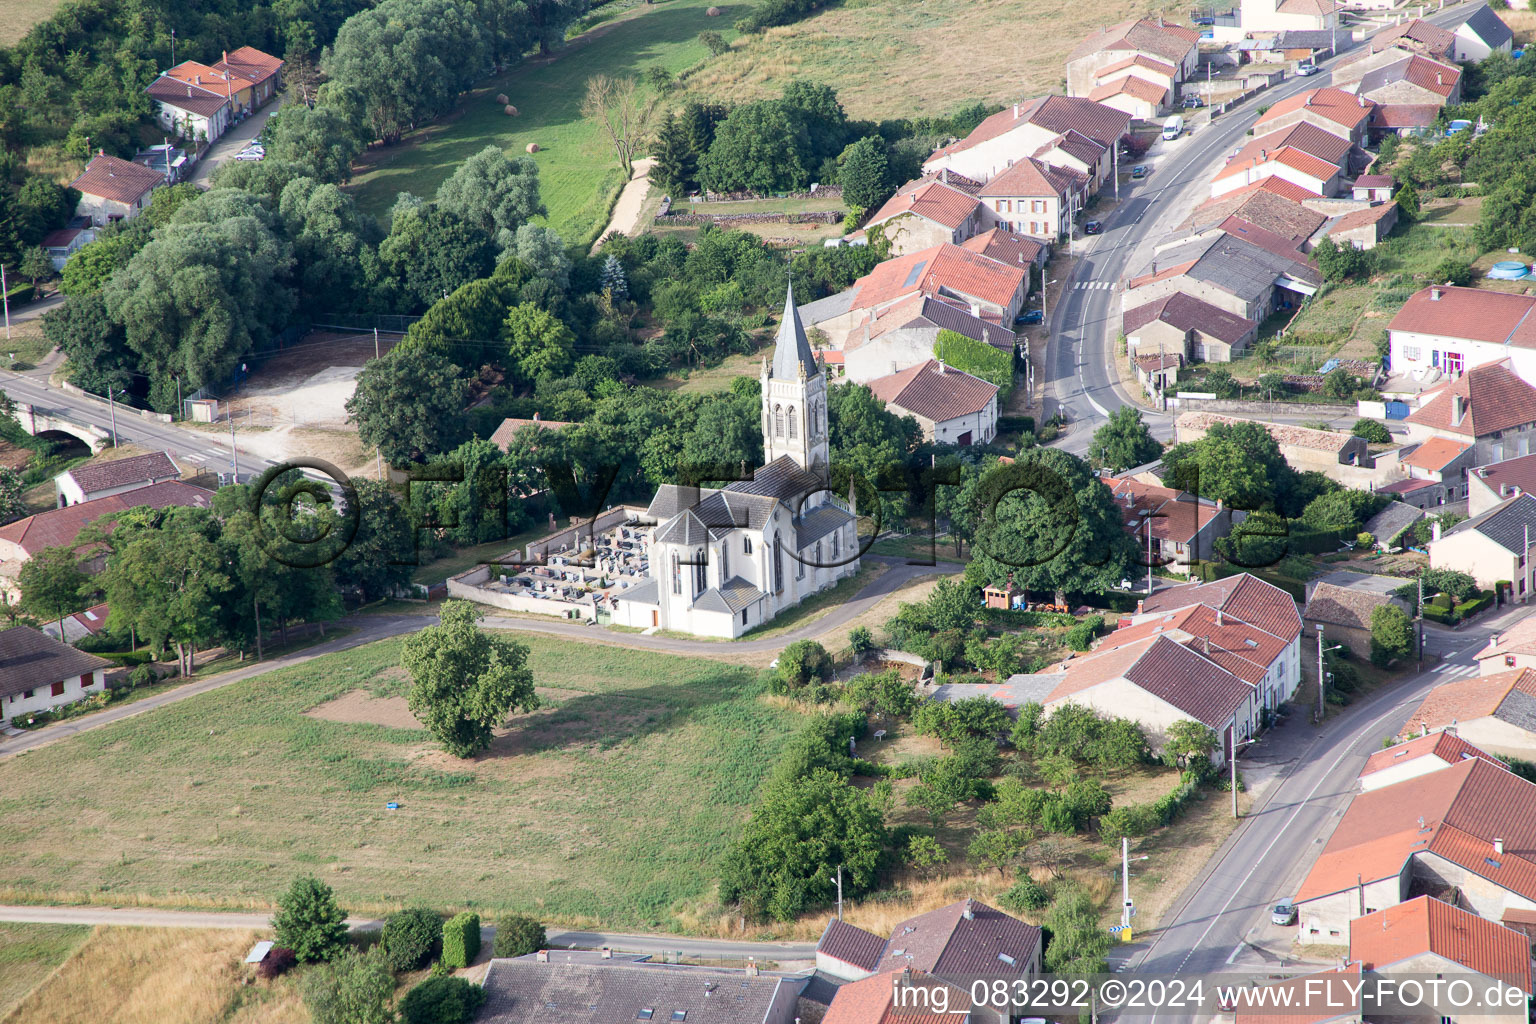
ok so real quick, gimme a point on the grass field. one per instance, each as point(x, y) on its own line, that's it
point(18, 16)
point(29, 953)
point(579, 174)
point(612, 805)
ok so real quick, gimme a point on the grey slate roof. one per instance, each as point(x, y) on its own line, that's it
point(731, 598)
point(30, 658)
point(818, 522)
point(671, 499)
point(642, 593)
point(140, 469)
point(791, 351)
point(851, 945)
point(520, 992)
point(950, 318)
point(684, 528)
point(782, 479)
point(1504, 524)
point(829, 307)
point(1392, 520)
point(1235, 266)
point(1490, 28)
point(724, 511)
point(1019, 689)
point(1316, 39)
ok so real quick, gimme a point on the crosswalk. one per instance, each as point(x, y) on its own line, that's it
point(1090, 285)
point(1448, 672)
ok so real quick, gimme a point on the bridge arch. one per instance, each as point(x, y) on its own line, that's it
point(37, 421)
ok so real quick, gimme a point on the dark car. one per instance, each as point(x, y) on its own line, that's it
point(1205, 21)
point(1140, 171)
point(1029, 316)
point(1193, 102)
point(1093, 227)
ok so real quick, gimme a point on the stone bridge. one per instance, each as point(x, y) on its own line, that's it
point(38, 420)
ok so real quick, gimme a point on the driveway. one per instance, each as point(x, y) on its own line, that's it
point(232, 142)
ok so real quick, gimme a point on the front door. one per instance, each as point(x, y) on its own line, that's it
point(655, 617)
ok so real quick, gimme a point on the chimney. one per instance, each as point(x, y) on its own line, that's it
point(941, 366)
point(1434, 531)
point(1434, 295)
point(1219, 620)
point(1361, 98)
point(1458, 408)
point(1207, 646)
point(1498, 846)
point(944, 175)
point(976, 310)
point(542, 956)
point(966, 911)
point(1482, 471)
point(1015, 110)
point(1439, 78)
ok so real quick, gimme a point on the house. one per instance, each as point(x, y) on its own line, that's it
point(875, 1000)
point(951, 406)
point(81, 624)
point(1403, 119)
point(1186, 327)
point(1388, 525)
point(1227, 271)
point(1469, 826)
point(112, 189)
point(1450, 329)
point(1373, 188)
point(1246, 599)
point(1513, 648)
point(1497, 711)
point(1288, 15)
point(1343, 603)
point(904, 335)
point(1407, 78)
point(1332, 110)
point(1341, 457)
point(58, 528)
point(1155, 50)
point(60, 245)
point(1071, 150)
point(724, 560)
point(1302, 153)
point(963, 938)
point(1258, 205)
point(1489, 485)
point(1143, 96)
point(1175, 528)
point(1491, 547)
point(1036, 127)
point(1364, 228)
point(1487, 407)
point(502, 436)
point(1412, 758)
point(523, 991)
point(256, 75)
point(1414, 36)
point(1034, 199)
point(1157, 373)
point(933, 213)
point(38, 672)
point(194, 111)
point(1009, 247)
point(1437, 473)
point(1480, 33)
point(98, 479)
point(1426, 936)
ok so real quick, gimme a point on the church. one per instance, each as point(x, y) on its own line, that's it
point(725, 560)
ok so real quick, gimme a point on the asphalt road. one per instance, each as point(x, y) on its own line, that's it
point(1223, 923)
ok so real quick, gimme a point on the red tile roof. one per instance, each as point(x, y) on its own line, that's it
point(250, 64)
point(1283, 433)
point(1130, 85)
point(924, 391)
point(1244, 597)
point(1436, 453)
point(503, 435)
point(870, 1002)
point(1175, 515)
point(1164, 668)
point(945, 941)
point(1291, 157)
point(1430, 38)
point(98, 475)
point(1267, 240)
point(1504, 478)
point(934, 201)
point(1375, 181)
point(1446, 746)
point(1166, 40)
point(1138, 61)
point(1315, 8)
point(1062, 114)
point(1333, 105)
point(1031, 177)
point(1364, 218)
point(59, 527)
point(944, 268)
point(1074, 144)
point(1475, 314)
point(851, 945)
point(1426, 925)
point(121, 181)
point(1436, 77)
point(1493, 398)
point(195, 98)
point(1239, 647)
point(211, 79)
point(1517, 639)
point(1464, 700)
point(1307, 137)
point(1280, 216)
point(1005, 246)
point(1187, 313)
point(1281, 187)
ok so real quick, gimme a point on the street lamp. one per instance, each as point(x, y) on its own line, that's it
point(1236, 746)
point(112, 406)
point(1322, 670)
point(1126, 909)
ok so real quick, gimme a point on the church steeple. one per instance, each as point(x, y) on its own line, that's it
point(794, 396)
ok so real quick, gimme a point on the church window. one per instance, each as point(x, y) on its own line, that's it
point(725, 562)
point(699, 565)
point(746, 545)
point(837, 536)
point(800, 567)
point(677, 576)
point(817, 563)
point(778, 421)
point(792, 422)
point(778, 565)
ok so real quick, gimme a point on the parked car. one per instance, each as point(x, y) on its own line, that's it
point(1307, 68)
point(1029, 316)
point(1193, 102)
point(1093, 227)
point(1283, 912)
point(1205, 21)
point(1140, 171)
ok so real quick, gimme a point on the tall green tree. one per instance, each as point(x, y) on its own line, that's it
point(466, 681)
point(676, 165)
point(538, 344)
point(429, 253)
point(756, 148)
point(51, 583)
point(356, 988)
point(494, 192)
point(1391, 634)
point(309, 922)
point(319, 141)
point(382, 554)
point(332, 245)
point(1124, 441)
point(864, 176)
point(94, 345)
point(409, 405)
point(166, 585)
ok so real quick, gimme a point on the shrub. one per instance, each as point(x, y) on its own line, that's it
point(278, 961)
point(860, 640)
point(1132, 820)
point(1025, 894)
point(953, 721)
point(518, 935)
point(461, 939)
point(1081, 636)
point(1373, 431)
point(803, 662)
point(442, 1000)
point(309, 922)
point(411, 938)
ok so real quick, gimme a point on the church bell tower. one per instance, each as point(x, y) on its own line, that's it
point(794, 397)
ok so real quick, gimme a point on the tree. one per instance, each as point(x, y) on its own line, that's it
point(318, 141)
point(864, 176)
point(442, 1000)
point(411, 938)
point(542, 254)
point(1459, 585)
point(1391, 634)
point(1078, 944)
point(616, 107)
point(804, 662)
point(801, 831)
point(333, 247)
point(355, 989)
point(1407, 199)
point(1452, 271)
point(953, 604)
point(538, 344)
point(309, 922)
point(517, 935)
point(676, 167)
point(924, 854)
point(757, 149)
point(409, 405)
point(1124, 441)
point(1239, 464)
point(93, 343)
point(1373, 431)
point(165, 584)
point(429, 253)
point(714, 42)
point(35, 266)
point(465, 681)
point(12, 505)
point(1188, 739)
point(51, 582)
point(1339, 262)
point(494, 192)
point(1344, 508)
point(382, 554)
point(614, 281)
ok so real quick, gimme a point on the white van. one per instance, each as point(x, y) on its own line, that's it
point(1173, 128)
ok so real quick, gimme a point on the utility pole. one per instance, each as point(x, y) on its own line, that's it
point(1149, 556)
point(375, 343)
point(180, 409)
point(1322, 672)
point(1525, 566)
point(112, 406)
point(1115, 163)
point(5, 297)
point(1418, 624)
point(234, 466)
point(1125, 880)
point(838, 878)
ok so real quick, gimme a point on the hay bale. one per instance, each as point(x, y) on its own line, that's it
point(509, 110)
point(501, 98)
point(533, 147)
point(713, 12)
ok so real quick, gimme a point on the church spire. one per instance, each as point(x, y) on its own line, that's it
point(792, 355)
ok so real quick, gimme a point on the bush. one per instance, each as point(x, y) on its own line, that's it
point(1132, 820)
point(278, 961)
point(1372, 430)
point(803, 662)
point(953, 721)
point(1080, 637)
point(461, 939)
point(518, 935)
point(411, 938)
point(309, 922)
point(860, 641)
point(1025, 894)
point(442, 1000)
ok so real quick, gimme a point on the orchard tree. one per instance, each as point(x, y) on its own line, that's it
point(409, 405)
point(466, 681)
point(309, 922)
point(496, 193)
point(1188, 740)
point(1124, 441)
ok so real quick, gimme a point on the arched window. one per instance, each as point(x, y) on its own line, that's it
point(837, 536)
point(791, 421)
point(817, 564)
point(699, 565)
point(677, 576)
point(778, 421)
point(778, 565)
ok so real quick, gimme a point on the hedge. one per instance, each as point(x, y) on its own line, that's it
point(1440, 615)
point(461, 939)
point(976, 358)
point(1016, 424)
point(1018, 617)
point(21, 293)
point(1467, 609)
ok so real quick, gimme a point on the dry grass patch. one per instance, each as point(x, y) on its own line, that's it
point(361, 706)
point(1522, 24)
point(29, 953)
point(159, 976)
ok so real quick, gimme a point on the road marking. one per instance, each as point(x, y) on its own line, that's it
point(1235, 953)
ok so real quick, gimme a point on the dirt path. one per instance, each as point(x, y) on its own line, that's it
point(626, 212)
